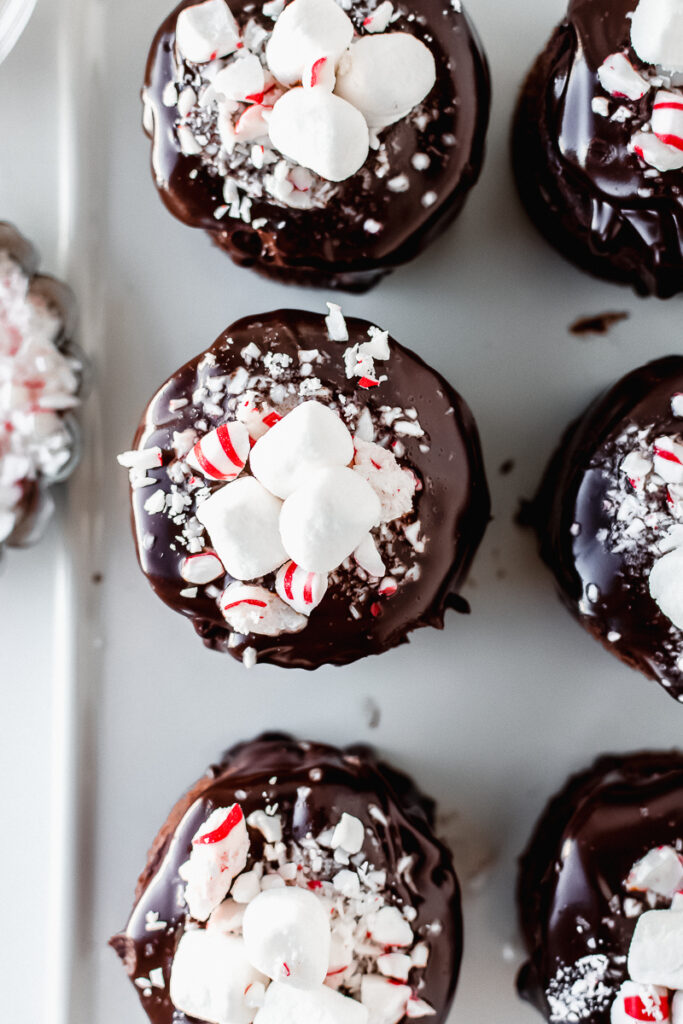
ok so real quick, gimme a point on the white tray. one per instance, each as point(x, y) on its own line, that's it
point(111, 704)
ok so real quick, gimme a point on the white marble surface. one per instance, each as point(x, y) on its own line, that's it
point(120, 707)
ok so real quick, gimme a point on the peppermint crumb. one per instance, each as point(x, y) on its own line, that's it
point(580, 991)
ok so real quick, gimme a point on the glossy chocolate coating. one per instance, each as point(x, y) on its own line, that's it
point(453, 505)
point(35, 506)
point(584, 846)
point(574, 491)
point(329, 246)
point(336, 781)
point(575, 175)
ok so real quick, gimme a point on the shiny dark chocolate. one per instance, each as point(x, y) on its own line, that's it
point(329, 246)
point(575, 175)
point(453, 504)
point(569, 511)
point(571, 882)
point(313, 785)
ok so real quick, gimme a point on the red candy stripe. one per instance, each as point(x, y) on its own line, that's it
point(223, 435)
point(666, 455)
point(671, 140)
point(637, 1010)
point(288, 579)
point(245, 600)
point(224, 829)
point(207, 467)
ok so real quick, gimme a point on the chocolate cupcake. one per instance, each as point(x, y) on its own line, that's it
point(300, 882)
point(317, 144)
point(40, 380)
point(598, 141)
point(600, 895)
point(307, 491)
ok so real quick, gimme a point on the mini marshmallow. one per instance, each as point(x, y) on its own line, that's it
point(326, 519)
point(321, 131)
point(369, 558)
point(312, 436)
point(249, 609)
point(209, 975)
point(640, 1003)
point(206, 31)
point(219, 852)
point(666, 585)
point(287, 935)
point(349, 833)
point(305, 31)
point(222, 453)
point(655, 956)
point(301, 590)
point(246, 887)
point(385, 76)
point(657, 33)
point(287, 1005)
point(242, 521)
point(618, 77)
point(659, 871)
point(667, 118)
point(394, 486)
point(656, 153)
point(201, 568)
point(386, 1002)
point(241, 79)
point(668, 459)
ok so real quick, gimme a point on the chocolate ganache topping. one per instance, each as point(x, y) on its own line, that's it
point(353, 519)
point(598, 141)
point(41, 378)
point(609, 518)
point(318, 196)
point(300, 826)
point(603, 865)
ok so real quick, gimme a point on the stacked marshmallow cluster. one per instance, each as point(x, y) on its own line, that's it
point(657, 39)
point(309, 90)
point(308, 932)
point(38, 384)
point(654, 991)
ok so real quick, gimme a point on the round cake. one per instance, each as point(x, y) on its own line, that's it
point(317, 143)
point(609, 516)
point(296, 882)
point(598, 141)
point(600, 895)
point(307, 491)
point(40, 380)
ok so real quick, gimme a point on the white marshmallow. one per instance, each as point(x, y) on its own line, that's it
point(388, 927)
point(667, 118)
point(242, 521)
point(659, 871)
point(321, 131)
point(323, 521)
point(369, 558)
point(301, 590)
point(245, 888)
point(618, 77)
point(222, 453)
point(201, 568)
point(385, 76)
point(666, 585)
point(243, 77)
point(287, 1005)
point(227, 917)
point(349, 833)
point(657, 33)
point(394, 486)
point(386, 1003)
point(640, 1002)
point(305, 31)
point(655, 152)
point(249, 609)
point(287, 935)
point(310, 437)
point(206, 31)
point(219, 852)
point(655, 956)
point(209, 975)
point(668, 460)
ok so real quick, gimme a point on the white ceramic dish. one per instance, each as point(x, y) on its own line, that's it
point(111, 704)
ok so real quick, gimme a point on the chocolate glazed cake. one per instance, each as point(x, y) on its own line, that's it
point(345, 207)
point(598, 142)
point(359, 502)
point(245, 862)
point(597, 884)
point(41, 374)
point(609, 517)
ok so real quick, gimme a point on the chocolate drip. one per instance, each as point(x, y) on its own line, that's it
point(313, 785)
point(330, 247)
point(592, 198)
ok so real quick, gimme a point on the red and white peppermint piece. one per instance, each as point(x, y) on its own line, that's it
point(252, 125)
point(244, 77)
point(301, 590)
point(141, 459)
point(388, 927)
point(369, 558)
point(394, 486)
point(656, 153)
point(387, 587)
point(637, 468)
point(249, 609)
point(660, 871)
point(222, 453)
point(640, 1003)
point(384, 1000)
point(667, 118)
point(378, 20)
point(201, 568)
point(258, 419)
point(619, 78)
point(219, 852)
point(206, 31)
point(395, 965)
point(668, 459)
